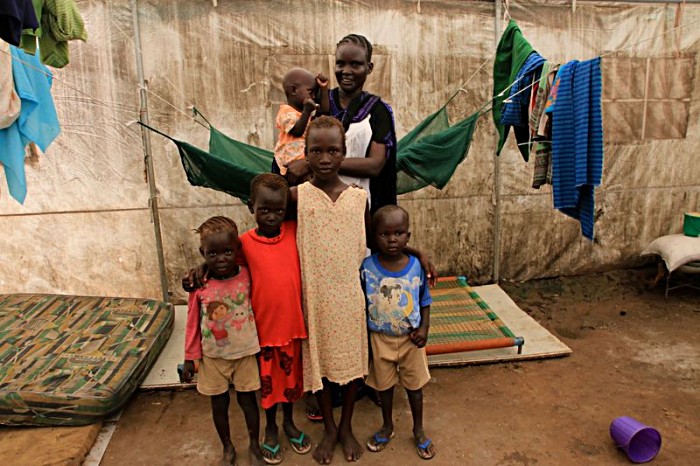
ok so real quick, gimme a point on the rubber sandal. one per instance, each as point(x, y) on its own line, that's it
point(277, 458)
point(377, 443)
point(422, 449)
point(298, 444)
point(314, 415)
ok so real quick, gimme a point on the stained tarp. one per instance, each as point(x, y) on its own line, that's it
point(230, 60)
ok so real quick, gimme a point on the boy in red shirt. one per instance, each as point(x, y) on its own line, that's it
point(271, 254)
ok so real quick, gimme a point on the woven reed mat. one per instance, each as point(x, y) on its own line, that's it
point(461, 321)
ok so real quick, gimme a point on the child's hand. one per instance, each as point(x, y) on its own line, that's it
point(195, 278)
point(297, 171)
point(187, 371)
point(310, 105)
point(419, 336)
point(322, 81)
point(188, 282)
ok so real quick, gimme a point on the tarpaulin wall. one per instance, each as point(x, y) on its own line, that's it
point(86, 227)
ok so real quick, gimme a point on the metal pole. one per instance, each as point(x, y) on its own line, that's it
point(497, 174)
point(148, 159)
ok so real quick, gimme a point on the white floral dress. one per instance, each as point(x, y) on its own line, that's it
point(331, 244)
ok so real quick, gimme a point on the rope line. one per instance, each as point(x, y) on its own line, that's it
point(461, 88)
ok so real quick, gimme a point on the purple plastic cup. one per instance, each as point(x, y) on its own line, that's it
point(640, 442)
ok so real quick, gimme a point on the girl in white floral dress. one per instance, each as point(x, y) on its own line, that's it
point(331, 243)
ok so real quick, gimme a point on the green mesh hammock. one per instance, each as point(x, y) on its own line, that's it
point(427, 155)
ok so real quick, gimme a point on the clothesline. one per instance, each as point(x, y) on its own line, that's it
point(192, 116)
point(508, 100)
point(481, 110)
point(54, 77)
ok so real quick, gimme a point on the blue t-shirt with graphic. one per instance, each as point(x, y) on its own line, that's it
point(394, 299)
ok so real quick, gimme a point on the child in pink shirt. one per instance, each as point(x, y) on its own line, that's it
point(221, 335)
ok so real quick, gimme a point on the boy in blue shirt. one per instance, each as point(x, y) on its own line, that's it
point(398, 317)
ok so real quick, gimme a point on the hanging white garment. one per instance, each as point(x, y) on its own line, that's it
point(10, 103)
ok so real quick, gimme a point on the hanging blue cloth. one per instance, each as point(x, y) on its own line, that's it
point(515, 112)
point(577, 142)
point(37, 122)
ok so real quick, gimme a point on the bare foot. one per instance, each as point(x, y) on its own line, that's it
point(323, 454)
point(255, 454)
point(351, 447)
point(229, 458)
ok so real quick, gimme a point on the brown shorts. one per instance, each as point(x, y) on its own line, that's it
point(215, 375)
point(394, 359)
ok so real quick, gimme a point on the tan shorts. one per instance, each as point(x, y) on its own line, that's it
point(215, 375)
point(394, 359)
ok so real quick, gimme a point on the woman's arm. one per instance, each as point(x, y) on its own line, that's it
point(369, 234)
point(428, 266)
point(366, 167)
point(325, 103)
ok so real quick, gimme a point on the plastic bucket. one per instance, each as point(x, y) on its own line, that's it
point(640, 442)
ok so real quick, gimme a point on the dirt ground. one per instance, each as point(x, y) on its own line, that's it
point(634, 353)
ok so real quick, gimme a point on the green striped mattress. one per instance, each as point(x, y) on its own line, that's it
point(74, 360)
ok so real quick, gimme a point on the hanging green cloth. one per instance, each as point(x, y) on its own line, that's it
point(429, 154)
point(229, 170)
point(216, 171)
point(513, 49)
point(242, 155)
point(60, 22)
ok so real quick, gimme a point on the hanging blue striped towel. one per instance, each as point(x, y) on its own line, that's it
point(515, 111)
point(577, 142)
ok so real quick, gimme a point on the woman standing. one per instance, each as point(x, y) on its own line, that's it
point(368, 122)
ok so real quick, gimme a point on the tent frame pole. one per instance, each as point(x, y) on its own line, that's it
point(496, 197)
point(148, 159)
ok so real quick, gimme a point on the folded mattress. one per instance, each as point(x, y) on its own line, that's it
point(74, 360)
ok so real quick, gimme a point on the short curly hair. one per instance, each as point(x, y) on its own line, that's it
point(324, 122)
point(215, 225)
point(387, 210)
point(271, 181)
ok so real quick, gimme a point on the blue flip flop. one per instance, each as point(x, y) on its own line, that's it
point(377, 443)
point(422, 449)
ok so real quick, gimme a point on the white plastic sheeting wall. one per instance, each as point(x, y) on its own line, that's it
point(86, 225)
